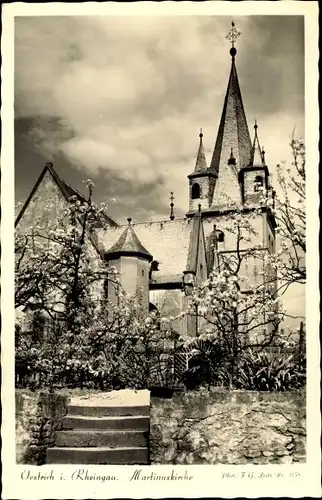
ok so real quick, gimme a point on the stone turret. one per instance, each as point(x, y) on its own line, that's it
point(131, 259)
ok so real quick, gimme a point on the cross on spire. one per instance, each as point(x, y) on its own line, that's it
point(232, 36)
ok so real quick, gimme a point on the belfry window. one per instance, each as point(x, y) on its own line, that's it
point(195, 191)
point(220, 237)
point(154, 266)
point(258, 184)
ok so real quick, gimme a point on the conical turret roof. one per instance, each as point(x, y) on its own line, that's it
point(201, 162)
point(128, 244)
point(257, 153)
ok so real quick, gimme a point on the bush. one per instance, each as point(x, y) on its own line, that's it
point(259, 370)
point(208, 360)
point(269, 371)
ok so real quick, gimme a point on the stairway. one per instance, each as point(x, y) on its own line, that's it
point(102, 435)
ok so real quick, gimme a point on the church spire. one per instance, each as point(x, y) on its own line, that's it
point(201, 162)
point(233, 133)
point(257, 153)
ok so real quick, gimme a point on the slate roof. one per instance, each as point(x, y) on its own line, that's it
point(233, 135)
point(167, 241)
point(128, 244)
point(257, 155)
point(201, 162)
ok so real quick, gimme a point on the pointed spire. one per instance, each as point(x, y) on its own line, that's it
point(233, 131)
point(172, 206)
point(128, 244)
point(201, 162)
point(257, 155)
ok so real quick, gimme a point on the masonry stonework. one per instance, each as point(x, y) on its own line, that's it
point(222, 427)
point(38, 417)
point(46, 206)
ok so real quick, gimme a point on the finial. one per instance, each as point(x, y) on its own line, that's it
point(255, 126)
point(171, 205)
point(48, 164)
point(232, 159)
point(232, 36)
point(201, 134)
point(263, 154)
point(129, 220)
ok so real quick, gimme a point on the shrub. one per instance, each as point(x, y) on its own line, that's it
point(261, 370)
point(269, 371)
point(208, 359)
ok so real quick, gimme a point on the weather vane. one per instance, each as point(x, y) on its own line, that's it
point(233, 34)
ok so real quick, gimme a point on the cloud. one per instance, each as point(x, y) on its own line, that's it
point(125, 97)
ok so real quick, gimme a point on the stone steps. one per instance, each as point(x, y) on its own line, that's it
point(98, 455)
point(102, 434)
point(109, 411)
point(94, 438)
point(108, 423)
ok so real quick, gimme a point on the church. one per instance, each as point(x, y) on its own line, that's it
point(164, 258)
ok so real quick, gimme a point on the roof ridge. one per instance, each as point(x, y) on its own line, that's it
point(159, 221)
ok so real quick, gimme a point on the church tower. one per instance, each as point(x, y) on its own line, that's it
point(236, 179)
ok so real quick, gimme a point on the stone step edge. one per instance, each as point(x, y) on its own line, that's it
point(104, 431)
point(106, 417)
point(96, 448)
point(113, 407)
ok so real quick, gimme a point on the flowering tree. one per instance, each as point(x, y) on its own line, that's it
point(59, 276)
point(75, 336)
point(120, 346)
point(57, 266)
point(291, 218)
point(237, 307)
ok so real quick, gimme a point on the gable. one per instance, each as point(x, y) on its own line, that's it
point(45, 204)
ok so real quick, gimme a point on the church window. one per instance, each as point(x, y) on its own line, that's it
point(220, 237)
point(154, 266)
point(152, 307)
point(195, 191)
point(142, 272)
point(258, 183)
point(105, 288)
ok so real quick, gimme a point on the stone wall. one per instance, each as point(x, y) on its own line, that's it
point(38, 416)
point(228, 427)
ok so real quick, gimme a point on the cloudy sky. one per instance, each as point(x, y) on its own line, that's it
point(121, 99)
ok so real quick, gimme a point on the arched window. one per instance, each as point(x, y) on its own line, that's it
point(154, 266)
point(258, 184)
point(195, 191)
point(153, 308)
point(220, 237)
